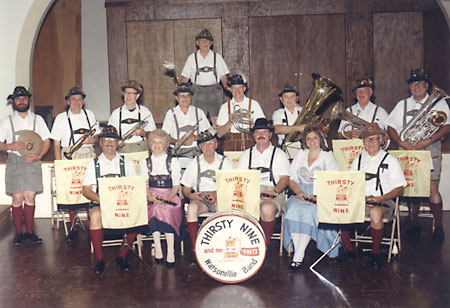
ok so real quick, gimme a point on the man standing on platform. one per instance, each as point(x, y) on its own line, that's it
point(274, 166)
point(397, 120)
point(199, 184)
point(384, 182)
point(23, 175)
point(131, 113)
point(246, 109)
point(206, 68)
point(108, 164)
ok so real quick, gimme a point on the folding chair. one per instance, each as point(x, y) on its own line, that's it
point(279, 235)
point(393, 241)
point(424, 211)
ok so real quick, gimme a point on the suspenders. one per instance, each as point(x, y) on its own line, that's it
point(370, 176)
point(12, 127)
point(204, 69)
point(263, 169)
point(374, 114)
point(199, 175)
point(97, 169)
point(178, 126)
point(128, 121)
point(72, 139)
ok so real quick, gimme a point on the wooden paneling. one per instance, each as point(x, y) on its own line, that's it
point(150, 43)
point(57, 55)
point(289, 49)
point(398, 46)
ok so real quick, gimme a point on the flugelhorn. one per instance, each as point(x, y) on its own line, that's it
point(339, 113)
point(129, 134)
point(80, 142)
point(185, 137)
point(425, 122)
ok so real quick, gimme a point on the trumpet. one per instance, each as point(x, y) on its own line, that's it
point(80, 142)
point(129, 134)
point(185, 137)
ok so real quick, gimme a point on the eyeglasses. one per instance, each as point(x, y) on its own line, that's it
point(371, 139)
point(130, 93)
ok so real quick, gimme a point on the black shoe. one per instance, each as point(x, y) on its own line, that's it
point(438, 234)
point(73, 236)
point(376, 261)
point(413, 232)
point(170, 264)
point(345, 255)
point(193, 259)
point(18, 239)
point(159, 261)
point(294, 266)
point(99, 267)
point(32, 237)
point(122, 263)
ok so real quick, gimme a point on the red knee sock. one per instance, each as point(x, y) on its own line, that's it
point(125, 248)
point(17, 213)
point(28, 212)
point(436, 209)
point(268, 227)
point(377, 235)
point(345, 236)
point(415, 207)
point(193, 229)
point(72, 215)
point(97, 242)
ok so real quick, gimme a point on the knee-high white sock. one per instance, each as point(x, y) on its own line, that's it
point(300, 241)
point(157, 242)
point(170, 240)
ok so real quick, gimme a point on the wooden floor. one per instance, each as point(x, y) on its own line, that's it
point(58, 274)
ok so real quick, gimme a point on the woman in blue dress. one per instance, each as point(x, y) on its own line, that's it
point(300, 220)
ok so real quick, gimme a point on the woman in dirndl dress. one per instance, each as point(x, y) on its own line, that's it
point(300, 220)
point(165, 211)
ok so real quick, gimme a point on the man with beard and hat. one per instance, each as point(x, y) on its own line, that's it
point(23, 175)
point(248, 109)
point(205, 69)
point(274, 166)
point(126, 117)
point(108, 164)
point(399, 117)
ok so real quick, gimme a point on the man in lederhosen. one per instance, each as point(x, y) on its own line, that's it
point(397, 120)
point(384, 182)
point(199, 181)
point(23, 176)
point(206, 68)
point(108, 164)
point(274, 166)
point(68, 128)
point(364, 109)
point(233, 140)
point(185, 119)
point(126, 117)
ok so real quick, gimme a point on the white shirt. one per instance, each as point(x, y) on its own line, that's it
point(279, 118)
point(107, 167)
point(395, 119)
point(22, 124)
point(189, 178)
point(280, 165)
point(204, 79)
point(367, 115)
point(256, 111)
point(390, 177)
point(127, 114)
point(324, 162)
point(159, 167)
point(61, 128)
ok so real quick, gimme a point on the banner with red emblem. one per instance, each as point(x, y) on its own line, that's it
point(416, 168)
point(69, 176)
point(123, 201)
point(340, 196)
point(346, 151)
point(233, 156)
point(136, 157)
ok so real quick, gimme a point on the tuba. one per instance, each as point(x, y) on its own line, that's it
point(323, 88)
point(339, 113)
point(425, 122)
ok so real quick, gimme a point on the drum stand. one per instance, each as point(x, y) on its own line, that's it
point(335, 244)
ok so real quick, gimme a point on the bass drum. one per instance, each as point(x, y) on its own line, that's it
point(230, 246)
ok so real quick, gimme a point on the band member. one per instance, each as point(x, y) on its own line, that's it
point(23, 175)
point(274, 166)
point(397, 120)
point(185, 120)
point(300, 220)
point(384, 182)
point(364, 109)
point(206, 68)
point(284, 118)
point(199, 184)
point(239, 104)
point(127, 118)
point(165, 211)
point(108, 164)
